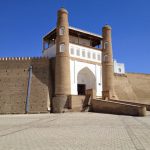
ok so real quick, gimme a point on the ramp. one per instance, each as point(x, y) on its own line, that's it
point(111, 107)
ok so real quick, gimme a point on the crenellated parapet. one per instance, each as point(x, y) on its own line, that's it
point(23, 63)
point(22, 58)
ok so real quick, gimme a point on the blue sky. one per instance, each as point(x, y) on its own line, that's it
point(24, 22)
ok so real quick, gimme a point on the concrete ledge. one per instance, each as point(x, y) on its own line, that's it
point(119, 108)
point(132, 103)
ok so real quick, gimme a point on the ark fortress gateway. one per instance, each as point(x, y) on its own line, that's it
point(85, 57)
point(75, 66)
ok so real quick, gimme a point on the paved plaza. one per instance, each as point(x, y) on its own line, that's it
point(74, 131)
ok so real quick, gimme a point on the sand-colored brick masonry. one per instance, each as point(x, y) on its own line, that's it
point(14, 80)
point(133, 87)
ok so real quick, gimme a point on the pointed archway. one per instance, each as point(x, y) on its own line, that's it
point(85, 80)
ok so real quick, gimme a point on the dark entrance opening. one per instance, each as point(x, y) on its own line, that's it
point(81, 89)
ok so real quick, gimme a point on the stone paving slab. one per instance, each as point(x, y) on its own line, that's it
point(74, 131)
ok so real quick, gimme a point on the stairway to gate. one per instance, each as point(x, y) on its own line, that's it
point(80, 103)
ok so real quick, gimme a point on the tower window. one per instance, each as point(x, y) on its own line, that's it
point(46, 45)
point(78, 52)
point(83, 53)
point(98, 57)
point(89, 55)
point(105, 59)
point(94, 56)
point(106, 45)
point(119, 69)
point(62, 30)
point(62, 48)
point(72, 51)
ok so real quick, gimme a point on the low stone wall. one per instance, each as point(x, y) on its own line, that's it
point(117, 108)
point(133, 103)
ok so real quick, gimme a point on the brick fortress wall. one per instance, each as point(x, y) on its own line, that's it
point(14, 75)
point(133, 87)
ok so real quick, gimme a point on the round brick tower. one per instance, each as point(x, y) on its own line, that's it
point(107, 65)
point(62, 66)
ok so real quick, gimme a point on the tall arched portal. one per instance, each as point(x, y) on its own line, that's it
point(85, 80)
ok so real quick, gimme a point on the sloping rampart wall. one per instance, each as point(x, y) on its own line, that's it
point(133, 87)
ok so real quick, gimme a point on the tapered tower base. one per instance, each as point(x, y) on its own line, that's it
point(59, 104)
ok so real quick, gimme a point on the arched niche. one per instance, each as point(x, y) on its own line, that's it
point(85, 80)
